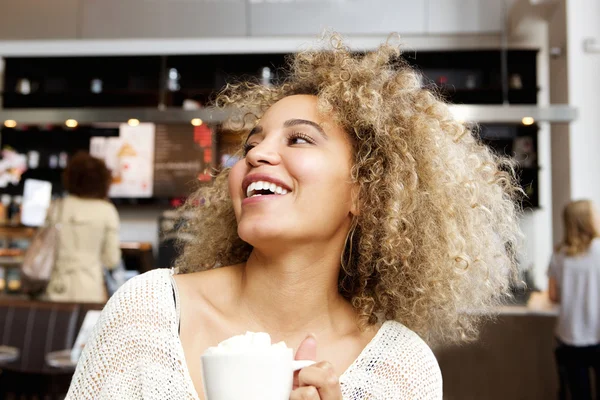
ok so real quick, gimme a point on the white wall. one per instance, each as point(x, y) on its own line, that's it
point(583, 21)
point(130, 19)
point(560, 137)
point(575, 80)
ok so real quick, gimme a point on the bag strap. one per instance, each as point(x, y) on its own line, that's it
point(57, 223)
point(57, 211)
point(60, 210)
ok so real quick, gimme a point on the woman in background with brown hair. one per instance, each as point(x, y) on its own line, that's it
point(574, 283)
point(89, 234)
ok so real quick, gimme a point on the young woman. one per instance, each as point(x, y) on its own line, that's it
point(361, 212)
point(574, 283)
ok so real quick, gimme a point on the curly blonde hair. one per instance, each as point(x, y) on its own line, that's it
point(433, 245)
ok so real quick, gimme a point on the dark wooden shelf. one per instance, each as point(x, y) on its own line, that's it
point(17, 231)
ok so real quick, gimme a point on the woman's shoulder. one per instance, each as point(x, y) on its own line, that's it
point(411, 369)
point(595, 245)
point(400, 342)
point(105, 205)
point(151, 283)
point(98, 205)
point(133, 343)
point(210, 284)
point(143, 298)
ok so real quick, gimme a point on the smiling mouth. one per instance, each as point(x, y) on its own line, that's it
point(262, 188)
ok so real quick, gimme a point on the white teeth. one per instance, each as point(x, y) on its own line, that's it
point(250, 189)
point(262, 185)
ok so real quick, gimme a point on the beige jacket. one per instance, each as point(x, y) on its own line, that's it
point(89, 241)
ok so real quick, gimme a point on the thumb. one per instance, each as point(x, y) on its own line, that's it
point(307, 349)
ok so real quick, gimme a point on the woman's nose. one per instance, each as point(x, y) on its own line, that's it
point(263, 153)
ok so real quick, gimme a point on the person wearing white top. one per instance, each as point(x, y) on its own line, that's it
point(574, 283)
point(360, 222)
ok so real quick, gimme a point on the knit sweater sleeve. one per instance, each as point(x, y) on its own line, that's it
point(133, 350)
point(398, 365)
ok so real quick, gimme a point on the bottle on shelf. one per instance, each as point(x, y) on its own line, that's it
point(516, 82)
point(53, 161)
point(96, 85)
point(173, 79)
point(2, 280)
point(13, 280)
point(6, 201)
point(63, 159)
point(3, 213)
point(33, 159)
point(266, 76)
point(15, 210)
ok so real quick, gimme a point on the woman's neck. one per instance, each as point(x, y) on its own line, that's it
point(293, 291)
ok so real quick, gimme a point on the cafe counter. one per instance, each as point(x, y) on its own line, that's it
point(513, 358)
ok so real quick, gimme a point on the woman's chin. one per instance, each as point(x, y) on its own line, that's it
point(262, 235)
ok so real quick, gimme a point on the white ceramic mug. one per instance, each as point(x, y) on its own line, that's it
point(251, 375)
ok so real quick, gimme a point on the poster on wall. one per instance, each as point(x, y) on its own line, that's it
point(37, 196)
point(130, 157)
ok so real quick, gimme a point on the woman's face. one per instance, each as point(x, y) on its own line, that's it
point(293, 186)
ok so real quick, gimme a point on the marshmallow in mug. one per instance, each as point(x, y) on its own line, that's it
point(250, 341)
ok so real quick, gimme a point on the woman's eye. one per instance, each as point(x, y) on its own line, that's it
point(299, 138)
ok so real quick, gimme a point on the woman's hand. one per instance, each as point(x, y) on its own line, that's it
point(317, 382)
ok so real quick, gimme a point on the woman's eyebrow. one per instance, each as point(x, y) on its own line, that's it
point(296, 121)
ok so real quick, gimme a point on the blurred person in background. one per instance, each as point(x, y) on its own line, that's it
point(89, 233)
point(361, 210)
point(574, 283)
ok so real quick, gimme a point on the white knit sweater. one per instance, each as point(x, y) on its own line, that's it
point(134, 352)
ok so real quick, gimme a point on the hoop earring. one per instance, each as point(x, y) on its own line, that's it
point(349, 236)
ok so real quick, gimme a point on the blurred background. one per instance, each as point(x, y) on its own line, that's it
point(130, 82)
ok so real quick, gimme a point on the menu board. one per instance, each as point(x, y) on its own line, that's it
point(183, 155)
point(158, 161)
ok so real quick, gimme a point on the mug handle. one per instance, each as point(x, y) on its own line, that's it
point(299, 364)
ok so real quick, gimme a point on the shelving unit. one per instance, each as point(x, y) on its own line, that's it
point(10, 265)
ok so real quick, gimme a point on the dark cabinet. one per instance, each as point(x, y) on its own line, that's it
point(462, 77)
